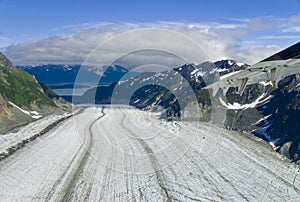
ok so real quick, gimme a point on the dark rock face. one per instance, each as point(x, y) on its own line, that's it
point(276, 120)
point(228, 66)
point(242, 120)
point(283, 118)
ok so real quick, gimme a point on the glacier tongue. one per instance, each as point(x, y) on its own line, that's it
point(129, 155)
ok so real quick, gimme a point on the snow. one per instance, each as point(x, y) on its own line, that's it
point(130, 155)
point(146, 79)
point(13, 139)
point(30, 172)
point(196, 73)
point(266, 83)
point(123, 81)
point(221, 70)
point(67, 68)
point(158, 74)
point(33, 114)
point(136, 101)
point(199, 73)
point(240, 64)
point(238, 106)
point(229, 74)
point(264, 119)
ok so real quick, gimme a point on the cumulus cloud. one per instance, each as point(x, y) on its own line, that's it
point(257, 53)
point(291, 29)
point(218, 41)
point(295, 18)
point(279, 37)
point(291, 25)
point(248, 26)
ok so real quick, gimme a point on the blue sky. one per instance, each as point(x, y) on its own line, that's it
point(253, 24)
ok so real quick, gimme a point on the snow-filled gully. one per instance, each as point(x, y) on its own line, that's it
point(123, 154)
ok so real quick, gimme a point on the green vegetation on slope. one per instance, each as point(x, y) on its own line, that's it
point(21, 88)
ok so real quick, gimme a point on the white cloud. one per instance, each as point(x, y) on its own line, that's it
point(291, 29)
point(218, 40)
point(250, 26)
point(257, 53)
point(280, 37)
point(230, 26)
point(291, 25)
point(295, 19)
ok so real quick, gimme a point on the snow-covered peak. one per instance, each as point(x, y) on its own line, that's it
point(67, 68)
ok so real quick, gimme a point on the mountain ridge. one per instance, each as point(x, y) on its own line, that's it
point(22, 98)
point(190, 79)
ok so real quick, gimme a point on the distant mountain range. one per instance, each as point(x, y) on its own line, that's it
point(57, 75)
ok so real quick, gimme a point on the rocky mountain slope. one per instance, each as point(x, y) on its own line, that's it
point(267, 112)
point(262, 109)
point(22, 98)
point(280, 110)
point(174, 91)
point(280, 124)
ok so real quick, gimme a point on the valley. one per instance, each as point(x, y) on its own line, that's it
point(149, 101)
point(107, 156)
